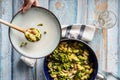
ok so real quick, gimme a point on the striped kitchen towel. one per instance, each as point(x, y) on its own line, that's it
point(82, 32)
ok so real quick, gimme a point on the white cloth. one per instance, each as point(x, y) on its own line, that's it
point(77, 31)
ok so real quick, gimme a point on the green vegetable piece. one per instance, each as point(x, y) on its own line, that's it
point(45, 32)
point(23, 44)
point(40, 24)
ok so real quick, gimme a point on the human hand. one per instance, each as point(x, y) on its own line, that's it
point(28, 3)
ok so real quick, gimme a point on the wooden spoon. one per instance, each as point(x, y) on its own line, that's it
point(31, 34)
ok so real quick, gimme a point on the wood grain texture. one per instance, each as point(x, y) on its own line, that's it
point(44, 3)
point(5, 47)
point(98, 42)
point(17, 5)
point(82, 12)
point(106, 43)
point(90, 12)
point(118, 38)
point(104, 34)
point(0, 41)
point(76, 12)
point(112, 41)
point(66, 13)
point(90, 21)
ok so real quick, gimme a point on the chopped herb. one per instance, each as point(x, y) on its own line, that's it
point(45, 32)
point(40, 24)
point(23, 44)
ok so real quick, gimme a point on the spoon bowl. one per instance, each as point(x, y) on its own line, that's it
point(32, 34)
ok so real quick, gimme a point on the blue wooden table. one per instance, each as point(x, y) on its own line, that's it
point(106, 42)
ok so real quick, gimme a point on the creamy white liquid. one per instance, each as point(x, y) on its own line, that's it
point(48, 41)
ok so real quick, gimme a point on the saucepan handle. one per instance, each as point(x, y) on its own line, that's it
point(100, 76)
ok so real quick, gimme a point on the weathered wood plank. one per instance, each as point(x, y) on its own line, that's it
point(77, 11)
point(39, 69)
point(118, 38)
point(98, 43)
point(44, 3)
point(82, 12)
point(103, 47)
point(0, 40)
point(91, 10)
point(112, 39)
point(103, 44)
point(65, 10)
point(113, 32)
point(17, 4)
point(5, 47)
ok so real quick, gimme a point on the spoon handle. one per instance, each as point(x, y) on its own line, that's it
point(12, 26)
